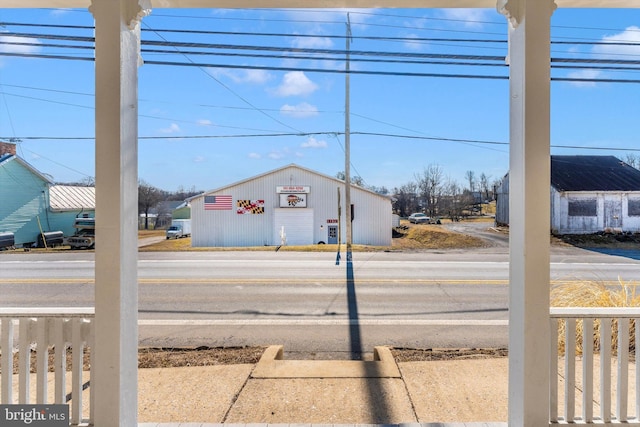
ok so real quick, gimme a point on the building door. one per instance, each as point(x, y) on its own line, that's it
point(332, 237)
point(297, 225)
point(613, 214)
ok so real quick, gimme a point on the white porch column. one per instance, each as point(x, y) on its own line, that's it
point(117, 24)
point(529, 207)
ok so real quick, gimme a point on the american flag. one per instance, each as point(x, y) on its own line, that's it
point(217, 203)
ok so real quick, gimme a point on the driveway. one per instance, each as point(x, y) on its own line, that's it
point(483, 230)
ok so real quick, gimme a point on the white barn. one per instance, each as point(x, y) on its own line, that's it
point(589, 194)
point(291, 205)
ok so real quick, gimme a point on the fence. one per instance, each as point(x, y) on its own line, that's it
point(590, 384)
point(591, 395)
point(46, 331)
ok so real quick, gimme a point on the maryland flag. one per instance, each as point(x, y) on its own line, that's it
point(250, 207)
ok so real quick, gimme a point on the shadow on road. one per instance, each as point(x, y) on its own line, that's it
point(626, 253)
point(379, 406)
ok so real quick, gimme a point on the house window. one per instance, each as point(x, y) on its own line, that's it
point(583, 208)
point(634, 207)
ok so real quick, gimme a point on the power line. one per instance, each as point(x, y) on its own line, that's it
point(325, 70)
point(234, 93)
point(327, 133)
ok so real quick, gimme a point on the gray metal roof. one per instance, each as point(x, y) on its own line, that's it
point(593, 173)
point(71, 197)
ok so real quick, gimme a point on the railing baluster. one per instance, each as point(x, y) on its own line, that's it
point(570, 370)
point(553, 372)
point(60, 361)
point(587, 370)
point(76, 374)
point(623, 370)
point(42, 360)
point(92, 396)
point(24, 360)
point(637, 360)
point(605, 369)
point(43, 327)
point(6, 346)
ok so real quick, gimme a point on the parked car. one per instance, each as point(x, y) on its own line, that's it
point(419, 218)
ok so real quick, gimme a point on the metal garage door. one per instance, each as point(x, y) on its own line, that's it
point(298, 226)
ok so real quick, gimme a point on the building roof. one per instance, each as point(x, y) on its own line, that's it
point(593, 173)
point(292, 165)
point(6, 158)
point(72, 198)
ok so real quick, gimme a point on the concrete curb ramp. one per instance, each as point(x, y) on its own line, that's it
point(273, 365)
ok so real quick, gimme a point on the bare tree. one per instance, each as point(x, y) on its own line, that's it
point(148, 198)
point(451, 203)
point(484, 186)
point(355, 180)
point(405, 202)
point(430, 187)
point(470, 176)
point(632, 160)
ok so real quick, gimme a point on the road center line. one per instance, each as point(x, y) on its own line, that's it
point(321, 322)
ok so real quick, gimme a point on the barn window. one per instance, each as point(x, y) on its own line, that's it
point(634, 207)
point(583, 208)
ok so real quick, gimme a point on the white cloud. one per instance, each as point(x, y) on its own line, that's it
point(7, 47)
point(296, 83)
point(276, 155)
point(254, 156)
point(204, 122)
point(312, 43)
point(630, 35)
point(413, 45)
point(302, 110)
point(173, 128)
point(470, 18)
point(584, 74)
point(60, 12)
point(199, 159)
point(257, 77)
point(610, 50)
point(356, 16)
point(314, 143)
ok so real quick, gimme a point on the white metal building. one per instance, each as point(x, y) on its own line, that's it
point(589, 194)
point(291, 205)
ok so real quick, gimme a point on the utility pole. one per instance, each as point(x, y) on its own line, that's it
point(347, 146)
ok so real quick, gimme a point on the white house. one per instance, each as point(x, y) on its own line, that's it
point(589, 194)
point(291, 205)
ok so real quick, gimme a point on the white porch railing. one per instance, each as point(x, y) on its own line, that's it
point(595, 391)
point(589, 398)
point(42, 329)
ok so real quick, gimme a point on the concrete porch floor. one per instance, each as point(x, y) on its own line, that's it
point(301, 393)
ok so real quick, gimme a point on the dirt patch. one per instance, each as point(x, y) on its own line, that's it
point(439, 354)
point(602, 240)
point(212, 356)
point(424, 236)
point(202, 356)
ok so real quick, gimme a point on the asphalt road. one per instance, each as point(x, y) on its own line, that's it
point(310, 302)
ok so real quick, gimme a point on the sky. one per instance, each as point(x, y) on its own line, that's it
point(251, 105)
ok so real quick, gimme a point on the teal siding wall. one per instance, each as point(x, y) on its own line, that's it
point(23, 199)
point(63, 221)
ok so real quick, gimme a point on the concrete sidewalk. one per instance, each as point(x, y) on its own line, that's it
point(280, 391)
